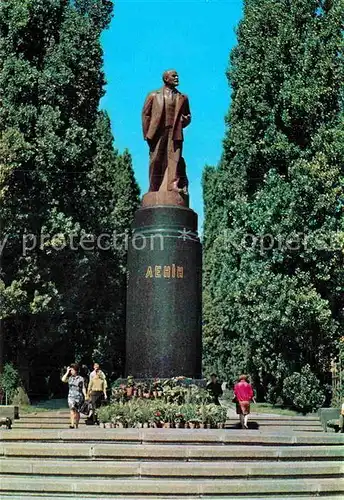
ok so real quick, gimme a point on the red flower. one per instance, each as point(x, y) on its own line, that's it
point(158, 414)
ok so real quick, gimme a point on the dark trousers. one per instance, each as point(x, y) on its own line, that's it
point(96, 400)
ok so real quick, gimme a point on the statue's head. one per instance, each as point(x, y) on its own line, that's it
point(171, 78)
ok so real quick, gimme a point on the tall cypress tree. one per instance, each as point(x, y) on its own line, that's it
point(273, 281)
point(56, 163)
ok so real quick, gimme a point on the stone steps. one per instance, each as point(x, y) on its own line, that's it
point(174, 444)
point(59, 420)
point(280, 460)
point(196, 436)
point(171, 452)
point(171, 469)
point(54, 496)
point(78, 487)
point(272, 419)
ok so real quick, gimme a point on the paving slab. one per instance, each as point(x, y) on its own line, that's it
point(175, 451)
point(165, 487)
point(189, 436)
point(286, 457)
point(28, 496)
point(171, 469)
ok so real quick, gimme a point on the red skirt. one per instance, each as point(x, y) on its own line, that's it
point(243, 408)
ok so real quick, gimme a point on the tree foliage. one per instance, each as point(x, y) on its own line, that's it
point(302, 391)
point(61, 180)
point(273, 280)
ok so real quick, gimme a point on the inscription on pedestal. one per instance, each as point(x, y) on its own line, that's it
point(167, 272)
point(164, 296)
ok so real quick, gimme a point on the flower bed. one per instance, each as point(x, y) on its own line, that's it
point(154, 413)
point(178, 390)
point(171, 403)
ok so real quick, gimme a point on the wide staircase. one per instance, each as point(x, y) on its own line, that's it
point(278, 457)
point(59, 420)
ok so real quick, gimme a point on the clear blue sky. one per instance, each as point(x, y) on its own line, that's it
point(192, 36)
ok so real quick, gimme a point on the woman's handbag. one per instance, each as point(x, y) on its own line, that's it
point(86, 408)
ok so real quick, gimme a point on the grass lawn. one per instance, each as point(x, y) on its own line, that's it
point(269, 408)
point(261, 408)
point(46, 405)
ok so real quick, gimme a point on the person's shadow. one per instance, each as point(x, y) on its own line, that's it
point(251, 425)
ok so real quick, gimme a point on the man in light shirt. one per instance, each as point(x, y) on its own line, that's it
point(96, 369)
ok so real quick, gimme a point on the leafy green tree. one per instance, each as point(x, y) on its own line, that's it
point(338, 376)
point(9, 381)
point(302, 391)
point(273, 280)
point(59, 177)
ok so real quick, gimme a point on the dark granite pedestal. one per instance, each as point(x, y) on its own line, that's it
point(164, 294)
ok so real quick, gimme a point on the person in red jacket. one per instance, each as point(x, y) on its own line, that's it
point(243, 393)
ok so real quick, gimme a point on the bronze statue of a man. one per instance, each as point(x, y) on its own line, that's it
point(165, 113)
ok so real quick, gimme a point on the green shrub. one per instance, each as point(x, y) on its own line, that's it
point(20, 397)
point(137, 412)
point(177, 390)
point(198, 395)
point(190, 412)
point(338, 377)
point(220, 414)
point(173, 393)
point(143, 413)
point(104, 414)
point(302, 391)
point(9, 381)
point(273, 394)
